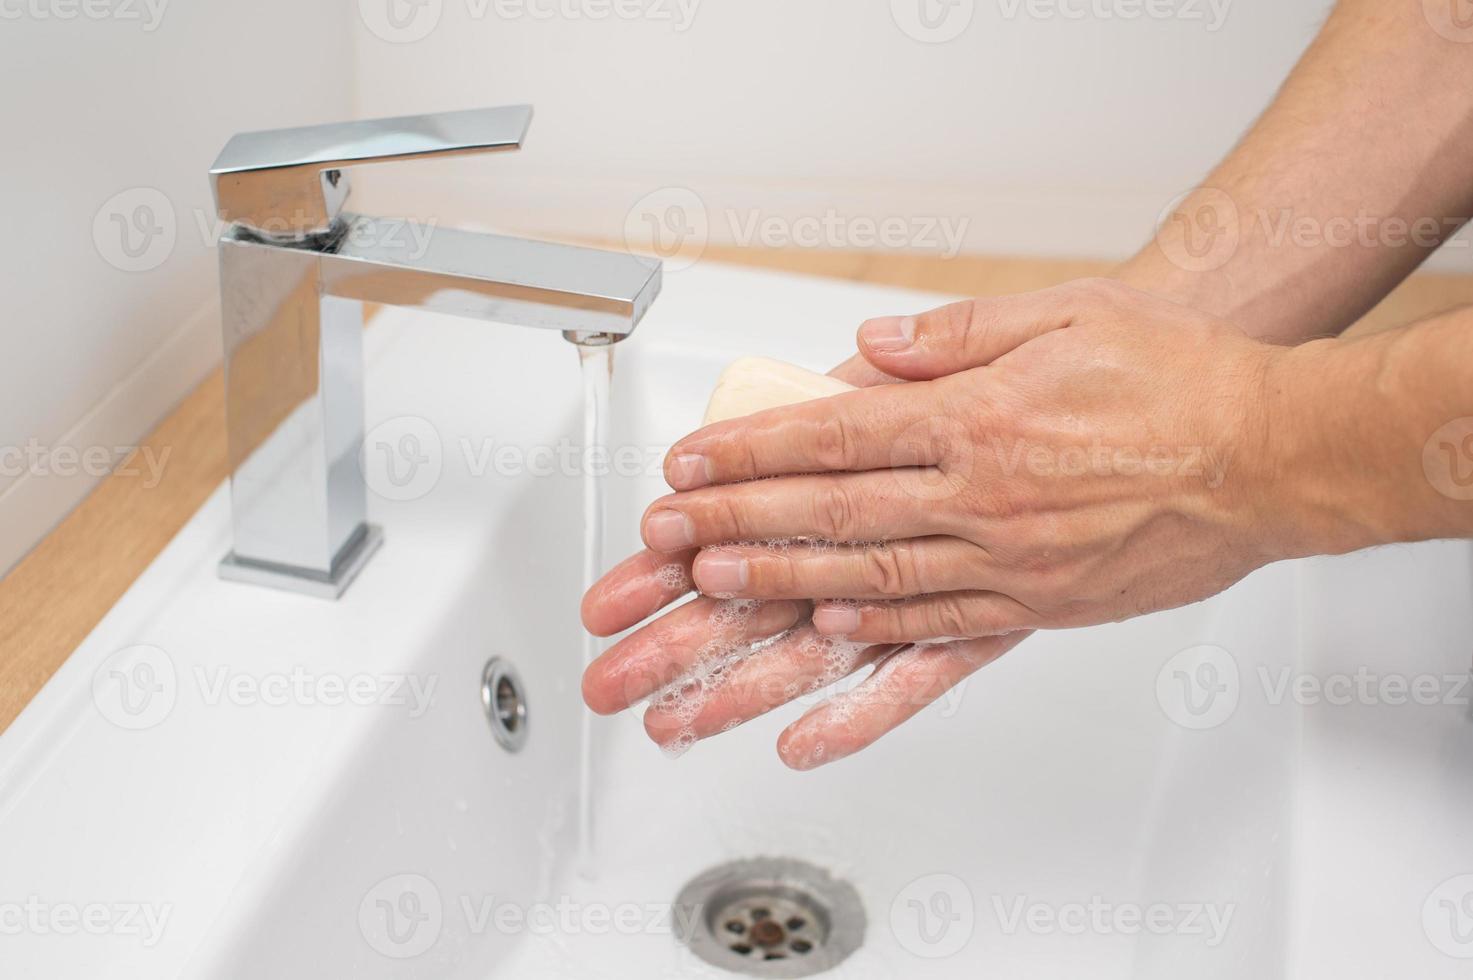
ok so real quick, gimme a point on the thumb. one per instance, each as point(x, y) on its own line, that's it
point(969, 334)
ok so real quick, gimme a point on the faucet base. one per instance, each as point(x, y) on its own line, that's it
point(331, 586)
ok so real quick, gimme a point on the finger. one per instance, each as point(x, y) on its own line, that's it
point(978, 331)
point(699, 635)
point(635, 589)
point(875, 506)
point(861, 373)
point(910, 567)
point(856, 430)
point(900, 686)
point(927, 618)
point(795, 664)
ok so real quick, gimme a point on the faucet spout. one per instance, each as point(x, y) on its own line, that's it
point(491, 277)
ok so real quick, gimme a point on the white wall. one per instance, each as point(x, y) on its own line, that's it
point(1044, 134)
point(133, 99)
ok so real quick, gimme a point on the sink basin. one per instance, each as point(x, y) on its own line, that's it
point(226, 781)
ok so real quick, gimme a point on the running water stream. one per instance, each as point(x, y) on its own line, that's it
point(596, 359)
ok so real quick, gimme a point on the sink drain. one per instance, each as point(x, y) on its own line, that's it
point(772, 917)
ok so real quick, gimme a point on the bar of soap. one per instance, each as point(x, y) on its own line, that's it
point(753, 384)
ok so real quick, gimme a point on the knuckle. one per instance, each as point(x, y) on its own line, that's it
point(975, 326)
point(949, 618)
point(728, 518)
point(833, 443)
point(1097, 289)
point(834, 513)
point(951, 323)
point(888, 571)
point(778, 574)
point(744, 460)
point(1084, 297)
point(1003, 501)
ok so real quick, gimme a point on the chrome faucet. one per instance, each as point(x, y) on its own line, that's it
point(295, 271)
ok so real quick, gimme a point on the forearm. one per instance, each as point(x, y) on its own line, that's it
point(1370, 441)
point(1357, 171)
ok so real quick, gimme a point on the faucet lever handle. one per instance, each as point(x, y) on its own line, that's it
point(288, 183)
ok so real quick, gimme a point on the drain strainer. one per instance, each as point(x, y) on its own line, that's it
point(772, 917)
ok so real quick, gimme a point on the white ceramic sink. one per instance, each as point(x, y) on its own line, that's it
point(226, 781)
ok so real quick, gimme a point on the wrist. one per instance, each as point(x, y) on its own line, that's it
point(1153, 272)
point(1320, 412)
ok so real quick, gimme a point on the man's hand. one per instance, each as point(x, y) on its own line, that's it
point(1077, 455)
point(1101, 454)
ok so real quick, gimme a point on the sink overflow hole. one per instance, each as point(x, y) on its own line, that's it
point(505, 703)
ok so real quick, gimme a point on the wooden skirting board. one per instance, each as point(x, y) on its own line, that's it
point(54, 597)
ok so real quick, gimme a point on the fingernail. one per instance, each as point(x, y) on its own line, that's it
point(668, 530)
point(689, 471)
point(890, 334)
point(836, 620)
point(718, 574)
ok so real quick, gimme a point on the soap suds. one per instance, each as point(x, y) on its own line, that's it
point(685, 698)
point(674, 577)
